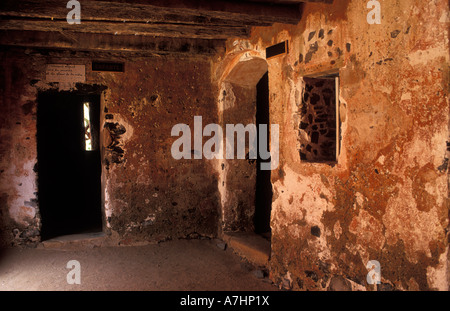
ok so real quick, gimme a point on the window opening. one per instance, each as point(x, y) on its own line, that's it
point(319, 126)
point(87, 127)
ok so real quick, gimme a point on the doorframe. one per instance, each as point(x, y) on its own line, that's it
point(235, 69)
point(84, 89)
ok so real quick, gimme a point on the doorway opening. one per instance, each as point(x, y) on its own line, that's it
point(263, 196)
point(69, 164)
point(246, 190)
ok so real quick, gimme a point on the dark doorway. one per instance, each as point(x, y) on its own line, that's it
point(69, 169)
point(263, 198)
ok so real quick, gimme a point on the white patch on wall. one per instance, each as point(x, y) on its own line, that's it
point(439, 146)
point(359, 199)
point(437, 277)
point(445, 17)
point(149, 220)
point(337, 230)
point(226, 97)
point(406, 96)
point(108, 210)
point(311, 194)
point(404, 221)
point(19, 210)
point(422, 57)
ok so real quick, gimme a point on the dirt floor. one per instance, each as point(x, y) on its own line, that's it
point(196, 265)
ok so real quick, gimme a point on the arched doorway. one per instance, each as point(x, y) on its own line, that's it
point(246, 190)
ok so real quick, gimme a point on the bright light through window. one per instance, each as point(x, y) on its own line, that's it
point(87, 128)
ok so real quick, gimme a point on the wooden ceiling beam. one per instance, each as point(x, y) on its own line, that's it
point(140, 45)
point(289, 13)
point(209, 13)
point(125, 28)
point(289, 1)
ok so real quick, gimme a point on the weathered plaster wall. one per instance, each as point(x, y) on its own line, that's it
point(240, 174)
point(151, 195)
point(387, 197)
point(19, 215)
point(148, 196)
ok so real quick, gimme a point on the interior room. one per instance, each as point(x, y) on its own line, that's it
point(263, 145)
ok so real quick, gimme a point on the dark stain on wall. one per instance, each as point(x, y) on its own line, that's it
point(114, 153)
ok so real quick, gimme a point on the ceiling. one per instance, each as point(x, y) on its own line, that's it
point(195, 26)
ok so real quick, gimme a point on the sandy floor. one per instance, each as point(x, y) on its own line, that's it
point(196, 265)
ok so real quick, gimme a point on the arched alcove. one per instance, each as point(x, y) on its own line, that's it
point(243, 99)
point(247, 72)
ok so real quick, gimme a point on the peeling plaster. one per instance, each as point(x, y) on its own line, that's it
point(415, 228)
point(438, 276)
point(387, 195)
point(18, 210)
point(423, 57)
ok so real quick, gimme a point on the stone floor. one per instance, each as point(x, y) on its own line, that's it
point(196, 265)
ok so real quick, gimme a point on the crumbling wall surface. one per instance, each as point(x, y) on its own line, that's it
point(147, 194)
point(386, 199)
point(19, 215)
point(150, 195)
point(240, 174)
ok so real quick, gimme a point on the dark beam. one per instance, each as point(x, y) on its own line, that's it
point(142, 45)
point(289, 1)
point(269, 12)
point(209, 13)
point(125, 28)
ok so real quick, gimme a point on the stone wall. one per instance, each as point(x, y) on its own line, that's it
point(386, 199)
point(147, 195)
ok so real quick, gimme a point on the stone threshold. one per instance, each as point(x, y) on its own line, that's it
point(75, 241)
point(251, 246)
